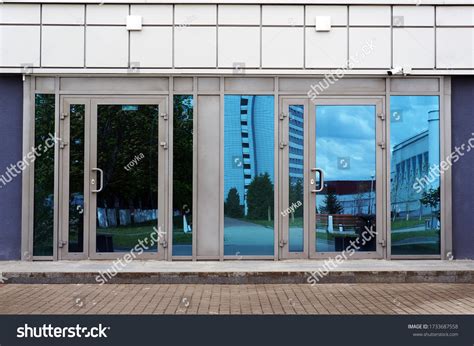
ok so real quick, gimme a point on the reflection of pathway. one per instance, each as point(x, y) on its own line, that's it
point(246, 238)
point(416, 241)
point(410, 229)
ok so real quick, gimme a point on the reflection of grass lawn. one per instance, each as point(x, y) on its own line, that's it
point(415, 234)
point(397, 224)
point(181, 238)
point(128, 236)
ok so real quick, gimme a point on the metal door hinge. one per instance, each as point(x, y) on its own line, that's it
point(381, 116)
point(61, 243)
point(282, 243)
point(382, 243)
point(283, 115)
point(164, 145)
point(164, 244)
point(381, 144)
point(62, 144)
point(283, 145)
point(164, 116)
point(64, 115)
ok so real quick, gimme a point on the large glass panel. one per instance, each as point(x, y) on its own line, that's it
point(43, 215)
point(248, 175)
point(183, 175)
point(296, 178)
point(76, 179)
point(127, 152)
point(346, 152)
point(415, 175)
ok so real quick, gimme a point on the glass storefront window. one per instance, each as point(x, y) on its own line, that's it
point(183, 175)
point(415, 180)
point(43, 215)
point(248, 175)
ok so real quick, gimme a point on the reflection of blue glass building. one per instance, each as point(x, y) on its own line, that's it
point(296, 141)
point(248, 141)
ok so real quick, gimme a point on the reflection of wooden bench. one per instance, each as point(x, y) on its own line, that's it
point(352, 228)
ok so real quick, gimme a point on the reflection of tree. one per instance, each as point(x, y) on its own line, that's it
point(44, 177)
point(123, 135)
point(183, 152)
point(296, 194)
point(331, 204)
point(431, 198)
point(232, 206)
point(260, 198)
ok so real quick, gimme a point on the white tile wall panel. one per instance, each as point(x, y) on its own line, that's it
point(413, 47)
point(455, 48)
point(370, 47)
point(195, 14)
point(326, 49)
point(282, 15)
point(28, 52)
point(455, 16)
point(239, 45)
point(282, 47)
point(20, 13)
point(369, 15)
point(195, 46)
point(338, 14)
point(62, 46)
point(151, 47)
point(154, 14)
point(63, 14)
point(413, 16)
point(107, 14)
point(106, 46)
point(239, 15)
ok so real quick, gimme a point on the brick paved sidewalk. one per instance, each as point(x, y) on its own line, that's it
point(238, 299)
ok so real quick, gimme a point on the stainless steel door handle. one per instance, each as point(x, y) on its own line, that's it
point(321, 179)
point(101, 179)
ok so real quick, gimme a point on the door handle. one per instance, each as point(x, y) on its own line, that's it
point(321, 179)
point(101, 179)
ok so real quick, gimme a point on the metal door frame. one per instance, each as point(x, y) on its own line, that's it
point(380, 174)
point(90, 159)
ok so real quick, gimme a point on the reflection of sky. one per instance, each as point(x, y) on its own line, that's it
point(413, 112)
point(346, 132)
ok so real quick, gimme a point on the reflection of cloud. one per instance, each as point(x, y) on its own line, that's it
point(415, 116)
point(356, 126)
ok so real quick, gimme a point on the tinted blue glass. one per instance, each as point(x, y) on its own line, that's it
point(415, 177)
point(248, 175)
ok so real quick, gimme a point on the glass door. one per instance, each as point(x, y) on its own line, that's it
point(346, 144)
point(113, 155)
point(127, 177)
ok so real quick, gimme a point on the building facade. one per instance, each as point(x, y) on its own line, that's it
point(184, 130)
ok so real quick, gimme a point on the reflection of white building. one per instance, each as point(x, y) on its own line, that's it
point(411, 160)
point(296, 141)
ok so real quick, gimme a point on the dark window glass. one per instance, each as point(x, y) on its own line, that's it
point(182, 175)
point(43, 215)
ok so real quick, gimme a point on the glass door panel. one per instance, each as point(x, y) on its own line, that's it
point(346, 151)
point(125, 178)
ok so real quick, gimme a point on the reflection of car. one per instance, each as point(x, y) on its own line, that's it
point(49, 201)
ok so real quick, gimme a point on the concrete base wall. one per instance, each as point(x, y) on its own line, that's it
point(11, 120)
point(462, 113)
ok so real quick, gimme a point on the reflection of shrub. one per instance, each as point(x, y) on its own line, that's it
point(232, 206)
point(260, 198)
